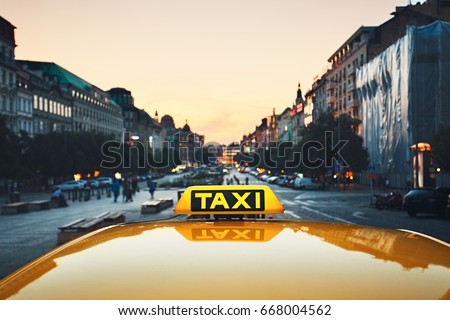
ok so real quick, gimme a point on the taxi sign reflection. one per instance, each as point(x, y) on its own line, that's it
point(231, 233)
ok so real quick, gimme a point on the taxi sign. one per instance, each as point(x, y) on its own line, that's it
point(228, 200)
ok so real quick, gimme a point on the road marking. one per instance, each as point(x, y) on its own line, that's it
point(292, 214)
point(327, 215)
point(291, 203)
point(359, 215)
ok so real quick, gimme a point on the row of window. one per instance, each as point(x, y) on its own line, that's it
point(6, 52)
point(98, 117)
point(97, 100)
point(7, 77)
point(48, 105)
point(25, 125)
point(6, 104)
point(44, 127)
point(24, 105)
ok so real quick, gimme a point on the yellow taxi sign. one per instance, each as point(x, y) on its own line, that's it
point(229, 200)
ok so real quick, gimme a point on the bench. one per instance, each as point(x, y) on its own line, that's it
point(151, 206)
point(166, 202)
point(111, 218)
point(83, 226)
point(15, 207)
point(39, 205)
point(58, 203)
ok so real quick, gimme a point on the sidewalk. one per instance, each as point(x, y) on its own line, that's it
point(26, 236)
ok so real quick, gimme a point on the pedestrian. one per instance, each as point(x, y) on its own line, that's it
point(151, 187)
point(115, 189)
point(58, 197)
point(408, 184)
point(387, 183)
point(57, 194)
point(134, 185)
point(126, 193)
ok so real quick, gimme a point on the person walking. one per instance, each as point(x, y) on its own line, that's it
point(151, 187)
point(115, 189)
point(126, 192)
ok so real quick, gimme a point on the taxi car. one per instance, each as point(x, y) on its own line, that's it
point(232, 243)
point(426, 200)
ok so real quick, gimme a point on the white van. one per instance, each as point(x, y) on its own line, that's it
point(306, 183)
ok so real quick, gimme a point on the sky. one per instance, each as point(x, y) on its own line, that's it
point(220, 65)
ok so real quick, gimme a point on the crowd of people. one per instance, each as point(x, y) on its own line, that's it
point(129, 188)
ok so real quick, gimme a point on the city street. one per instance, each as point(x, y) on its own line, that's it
point(350, 206)
point(23, 237)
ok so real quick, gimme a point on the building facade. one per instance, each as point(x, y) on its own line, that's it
point(63, 101)
point(368, 42)
point(8, 74)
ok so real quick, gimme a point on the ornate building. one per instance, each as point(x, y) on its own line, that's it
point(8, 73)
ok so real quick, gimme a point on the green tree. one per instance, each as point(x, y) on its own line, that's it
point(328, 131)
point(61, 155)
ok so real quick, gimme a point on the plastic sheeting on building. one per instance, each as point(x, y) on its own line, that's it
point(404, 95)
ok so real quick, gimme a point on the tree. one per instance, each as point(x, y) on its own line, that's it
point(329, 141)
point(12, 147)
point(440, 142)
point(61, 155)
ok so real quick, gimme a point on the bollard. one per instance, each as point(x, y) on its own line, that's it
point(87, 194)
point(108, 192)
point(98, 193)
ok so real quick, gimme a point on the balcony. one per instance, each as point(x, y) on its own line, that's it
point(331, 100)
point(351, 70)
point(351, 87)
point(331, 85)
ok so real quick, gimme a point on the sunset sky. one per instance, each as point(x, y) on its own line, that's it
point(221, 64)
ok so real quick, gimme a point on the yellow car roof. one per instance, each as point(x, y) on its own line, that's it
point(238, 260)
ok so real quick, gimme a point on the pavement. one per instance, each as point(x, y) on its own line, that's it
point(26, 236)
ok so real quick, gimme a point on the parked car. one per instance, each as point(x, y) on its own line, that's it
point(105, 181)
point(282, 179)
point(306, 183)
point(428, 200)
point(84, 183)
point(71, 185)
point(272, 179)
